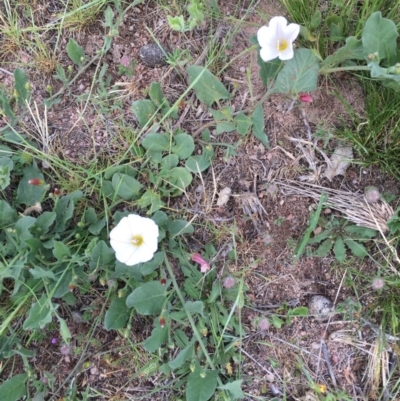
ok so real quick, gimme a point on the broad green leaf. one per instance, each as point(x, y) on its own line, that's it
point(156, 142)
point(96, 227)
point(300, 74)
point(148, 299)
point(243, 123)
point(198, 164)
point(379, 35)
point(353, 50)
point(43, 223)
point(184, 146)
point(362, 231)
point(14, 389)
point(183, 355)
point(201, 384)
point(160, 218)
point(169, 161)
point(176, 23)
point(21, 85)
point(339, 250)
point(225, 126)
point(152, 199)
point(158, 337)
point(258, 126)
point(117, 314)
point(178, 179)
point(234, 389)
point(6, 166)
point(60, 250)
point(276, 321)
point(64, 330)
point(194, 307)
point(65, 210)
point(179, 227)
point(126, 186)
point(356, 248)
point(324, 248)
point(75, 52)
point(7, 214)
point(157, 96)
point(39, 272)
point(124, 169)
point(270, 70)
point(22, 227)
point(223, 114)
point(39, 315)
point(144, 110)
point(90, 215)
point(208, 87)
point(153, 264)
point(336, 25)
point(28, 194)
point(316, 20)
point(101, 256)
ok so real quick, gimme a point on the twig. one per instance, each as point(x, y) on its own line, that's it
point(328, 363)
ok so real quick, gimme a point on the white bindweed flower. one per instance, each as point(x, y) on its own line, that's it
point(276, 40)
point(134, 239)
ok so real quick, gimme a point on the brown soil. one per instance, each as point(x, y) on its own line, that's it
point(268, 225)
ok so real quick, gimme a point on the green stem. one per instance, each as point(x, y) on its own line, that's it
point(189, 316)
point(349, 68)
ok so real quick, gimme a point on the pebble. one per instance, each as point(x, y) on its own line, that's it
point(152, 55)
point(321, 307)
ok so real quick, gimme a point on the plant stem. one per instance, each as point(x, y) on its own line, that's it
point(349, 68)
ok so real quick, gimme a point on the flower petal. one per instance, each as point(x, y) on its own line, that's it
point(141, 254)
point(269, 53)
point(266, 37)
point(291, 32)
point(122, 231)
point(287, 54)
point(278, 24)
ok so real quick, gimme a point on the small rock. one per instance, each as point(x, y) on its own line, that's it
point(152, 55)
point(321, 307)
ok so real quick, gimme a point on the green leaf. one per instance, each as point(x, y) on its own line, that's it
point(14, 389)
point(144, 111)
point(258, 126)
point(44, 222)
point(101, 255)
point(300, 74)
point(243, 123)
point(184, 146)
point(152, 199)
point(176, 23)
point(21, 86)
point(339, 250)
point(39, 315)
point(169, 161)
point(353, 50)
point(6, 166)
point(361, 231)
point(184, 355)
point(379, 35)
point(234, 389)
point(75, 52)
point(5, 107)
point(316, 20)
point(65, 209)
point(117, 314)
point(276, 321)
point(64, 330)
point(157, 96)
point(178, 178)
point(150, 266)
point(201, 384)
point(38, 272)
point(199, 163)
point(30, 194)
point(126, 186)
point(194, 307)
point(22, 227)
point(60, 250)
point(208, 87)
point(96, 227)
point(324, 248)
point(148, 299)
point(268, 71)
point(179, 227)
point(7, 214)
point(356, 248)
point(156, 142)
point(158, 337)
point(124, 169)
point(336, 26)
point(225, 126)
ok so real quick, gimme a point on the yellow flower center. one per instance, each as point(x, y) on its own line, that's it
point(282, 45)
point(137, 240)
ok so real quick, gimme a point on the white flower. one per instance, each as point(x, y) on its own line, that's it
point(134, 239)
point(276, 40)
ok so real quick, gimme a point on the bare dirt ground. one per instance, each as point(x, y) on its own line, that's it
point(334, 352)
